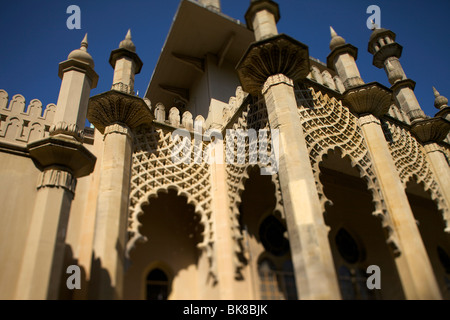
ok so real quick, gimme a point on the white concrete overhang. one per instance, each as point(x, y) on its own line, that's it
point(195, 32)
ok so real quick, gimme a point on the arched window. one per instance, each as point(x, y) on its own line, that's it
point(347, 246)
point(269, 288)
point(289, 287)
point(157, 285)
point(271, 233)
point(352, 277)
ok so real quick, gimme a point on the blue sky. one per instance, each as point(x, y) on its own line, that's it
point(35, 38)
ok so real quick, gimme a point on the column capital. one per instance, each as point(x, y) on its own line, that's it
point(63, 152)
point(431, 130)
point(118, 128)
point(113, 107)
point(57, 178)
point(372, 98)
point(367, 119)
point(277, 79)
point(64, 128)
point(433, 147)
point(279, 54)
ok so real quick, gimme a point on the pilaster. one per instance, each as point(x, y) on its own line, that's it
point(62, 158)
point(370, 102)
point(114, 114)
point(308, 235)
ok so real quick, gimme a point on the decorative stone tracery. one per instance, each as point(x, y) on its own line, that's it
point(328, 125)
point(153, 171)
point(253, 116)
point(411, 162)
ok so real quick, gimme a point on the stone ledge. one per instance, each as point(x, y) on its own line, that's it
point(73, 64)
point(62, 152)
point(122, 52)
point(346, 48)
point(386, 51)
point(258, 5)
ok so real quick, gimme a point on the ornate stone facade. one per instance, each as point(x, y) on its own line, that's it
point(281, 178)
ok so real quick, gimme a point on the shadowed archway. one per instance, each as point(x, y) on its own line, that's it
point(173, 230)
point(431, 227)
point(357, 239)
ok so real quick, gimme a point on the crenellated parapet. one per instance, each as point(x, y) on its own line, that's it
point(21, 123)
point(324, 76)
point(174, 119)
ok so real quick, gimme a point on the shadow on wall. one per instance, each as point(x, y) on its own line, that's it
point(89, 288)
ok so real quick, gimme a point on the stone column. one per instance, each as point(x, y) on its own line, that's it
point(308, 235)
point(430, 132)
point(441, 170)
point(115, 113)
point(62, 158)
point(112, 209)
point(223, 242)
point(413, 265)
point(270, 66)
point(371, 101)
point(44, 254)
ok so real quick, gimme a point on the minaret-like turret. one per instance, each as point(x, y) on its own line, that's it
point(441, 103)
point(386, 54)
point(262, 17)
point(62, 158)
point(115, 114)
point(126, 64)
point(271, 67)
point(343, 59)
point(78, 78)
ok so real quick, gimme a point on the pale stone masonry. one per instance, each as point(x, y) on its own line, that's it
point(351, 174)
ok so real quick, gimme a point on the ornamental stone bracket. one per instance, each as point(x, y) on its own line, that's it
point(62, 151)
point(371, 98)
point(280, 54)
point(431, 130)
point(117, 107)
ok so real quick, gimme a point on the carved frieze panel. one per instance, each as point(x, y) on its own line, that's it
point(328, 125)
point(154, 171)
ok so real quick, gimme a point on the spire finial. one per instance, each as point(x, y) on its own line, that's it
point(82, 54)
point(440, 102)
point(333, 33)
point(436, 93)
point(84, 43)
point(127, 43)
point(336, 40)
